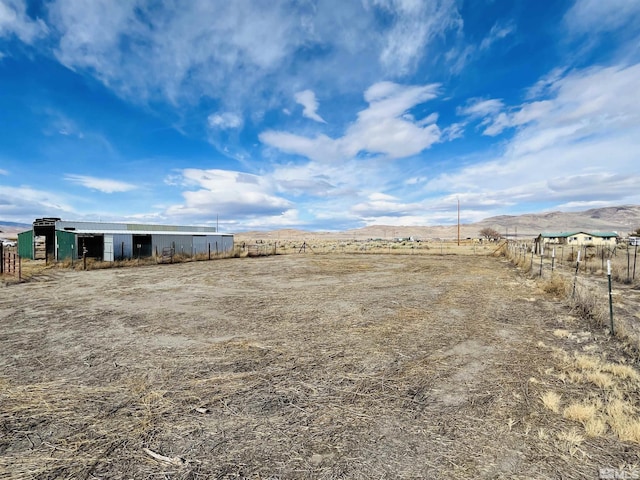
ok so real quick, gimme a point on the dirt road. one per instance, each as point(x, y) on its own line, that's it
point(307, 366)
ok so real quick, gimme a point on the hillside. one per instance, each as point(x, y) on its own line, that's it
point(10, 230)
point(621, 219)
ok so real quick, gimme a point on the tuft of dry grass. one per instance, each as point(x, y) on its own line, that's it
point(580, 412)
point(600, 379)
point(622, 371)
point(557, 286)
point(551, 400)
point(571, 436)
point(622, 418)
point(614, 408)
point(595, 427)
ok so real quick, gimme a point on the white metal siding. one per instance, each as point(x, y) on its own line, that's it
point(200, 245)
point(108, 248)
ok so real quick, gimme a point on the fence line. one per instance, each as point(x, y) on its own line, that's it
point(11, 264)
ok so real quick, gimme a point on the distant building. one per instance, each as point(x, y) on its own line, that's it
point(577, 239)
point(57, 239)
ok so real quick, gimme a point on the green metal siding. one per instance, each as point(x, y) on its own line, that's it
point(25, 244)
point(66, 245)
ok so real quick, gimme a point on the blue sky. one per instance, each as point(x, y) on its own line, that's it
point(320, 115)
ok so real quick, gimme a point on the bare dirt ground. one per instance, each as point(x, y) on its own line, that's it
point(309, 366)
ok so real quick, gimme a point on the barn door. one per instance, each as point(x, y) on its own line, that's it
point(108, 248)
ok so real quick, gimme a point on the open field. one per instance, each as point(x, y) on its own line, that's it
point(309, 366)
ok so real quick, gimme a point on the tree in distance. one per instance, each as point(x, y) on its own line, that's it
point(490, 234)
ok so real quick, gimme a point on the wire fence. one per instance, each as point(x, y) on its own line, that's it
point(598, 283)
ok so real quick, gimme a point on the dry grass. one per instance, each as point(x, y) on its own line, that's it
point(557, 286)
point(613, 407)
point(580, 412)
point(551, 401)
point(299, 367)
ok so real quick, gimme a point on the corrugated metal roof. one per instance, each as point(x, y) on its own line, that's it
point(93, 231)
point(132, 227)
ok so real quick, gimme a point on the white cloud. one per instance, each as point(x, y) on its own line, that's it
point(380, 204)
point(227, 193)
point(23, 204)
point(578, 144)
point(308, 100)
point(176, 53)
point(479, 108)
point(498, 32)
point(3, 172)
point(590, 16)
point(15, 21)
point(382, 128)
point(189, 53)
point(415, 24)
point(101, 184)
point(225, 120)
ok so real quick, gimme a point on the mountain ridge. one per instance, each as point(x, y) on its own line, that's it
point(621, 219)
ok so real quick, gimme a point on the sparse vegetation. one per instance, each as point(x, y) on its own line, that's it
point(308, 366)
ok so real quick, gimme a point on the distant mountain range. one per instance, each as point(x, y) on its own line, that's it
point(14, 224)
point(11, 229)
point(622, 219)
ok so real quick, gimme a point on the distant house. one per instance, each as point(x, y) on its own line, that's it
point(577, 239)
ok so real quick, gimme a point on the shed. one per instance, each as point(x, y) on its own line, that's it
point(117, 241)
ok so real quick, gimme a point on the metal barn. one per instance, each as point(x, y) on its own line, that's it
point(58, 239)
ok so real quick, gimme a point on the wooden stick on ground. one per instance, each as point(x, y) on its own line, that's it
point(162, 458)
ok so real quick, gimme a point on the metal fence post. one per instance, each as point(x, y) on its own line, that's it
point(575, 277)
point(610, 296)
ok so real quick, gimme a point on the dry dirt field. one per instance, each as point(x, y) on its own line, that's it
point(310, 366)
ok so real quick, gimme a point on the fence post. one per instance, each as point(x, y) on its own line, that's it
point(553, 258)
point(1, 258)
point(209, 246)
point(531, 269)
point(575, 277)
point(628, 265)
point(610, 296)
point(19, 268)
point(635, 257)
point(541, 257)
